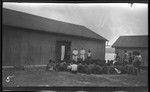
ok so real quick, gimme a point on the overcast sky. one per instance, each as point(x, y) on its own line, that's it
point(107, 20)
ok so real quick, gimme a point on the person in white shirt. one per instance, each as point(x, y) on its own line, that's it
point(82, 54)
point(89, 54)
point(75, 55)
point(73, 68)
point(140, 57)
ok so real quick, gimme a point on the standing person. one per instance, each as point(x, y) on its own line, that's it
point(89, 54)
point(67, 55)
point(130, 58)
point(116, 58)
point(75, 55)
point(137, 63)
point(133, 56)
point(125, 57)
point(140, 59)
point(82, 54)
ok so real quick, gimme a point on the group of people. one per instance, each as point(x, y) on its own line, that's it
point(72, 65)
point(127, 59)
point(134, 59)
point(76, 55)
point(80, 54)
point(56, 66)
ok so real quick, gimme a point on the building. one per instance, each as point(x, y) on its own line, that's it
point(133, 43)
point(33, 40)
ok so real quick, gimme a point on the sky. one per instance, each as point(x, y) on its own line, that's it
point(109, 20)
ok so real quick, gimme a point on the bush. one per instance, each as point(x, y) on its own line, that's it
point(95, 66)
point(95, 61)
point(112, 70)
point(60, 66)
point(102, 62)
point(117, 63)
point(49, 65)
point(85, 68)
point(90, 68)
point(130, 69)
point(109, 70)
point(97, 69)
point(137, 64)
point(81, 68)
point(63, 66)
point(110, 62)
point(122, 68)
point(68, 61)
point(105, 70)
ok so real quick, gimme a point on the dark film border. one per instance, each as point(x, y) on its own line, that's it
point(100, 89)
point(79, 1)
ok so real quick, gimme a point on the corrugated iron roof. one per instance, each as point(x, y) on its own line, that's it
point(25, 20)
point(132, 41)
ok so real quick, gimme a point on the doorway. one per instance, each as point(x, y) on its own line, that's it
point(63, 50)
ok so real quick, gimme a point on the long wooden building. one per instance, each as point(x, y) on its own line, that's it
point(33, 40)
point(137, 43)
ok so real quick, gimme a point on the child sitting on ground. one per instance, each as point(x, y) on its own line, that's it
point(73, 67)
point(49, 66)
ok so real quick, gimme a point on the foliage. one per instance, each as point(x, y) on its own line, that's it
point(91, 66)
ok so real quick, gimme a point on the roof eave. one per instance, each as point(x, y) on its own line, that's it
point(128, 47)
point(57, 33)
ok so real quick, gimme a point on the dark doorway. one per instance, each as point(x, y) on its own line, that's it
point(63, 50)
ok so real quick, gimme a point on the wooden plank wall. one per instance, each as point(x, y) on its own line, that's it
point(26, 47)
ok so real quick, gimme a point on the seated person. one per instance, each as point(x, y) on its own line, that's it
point(73, 67)
point(49, 66)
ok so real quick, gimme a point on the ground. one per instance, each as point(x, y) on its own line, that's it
point(40, 77)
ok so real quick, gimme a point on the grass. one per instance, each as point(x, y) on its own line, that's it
point(40, 77)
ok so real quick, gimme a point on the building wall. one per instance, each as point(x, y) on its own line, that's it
point(27, 47)
point(143, 51)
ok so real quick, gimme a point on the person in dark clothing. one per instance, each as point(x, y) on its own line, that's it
point(49, 65)
point(130, 58)
point(117, 57)
point(125, 58)
point(67, 55)
point(137, 63)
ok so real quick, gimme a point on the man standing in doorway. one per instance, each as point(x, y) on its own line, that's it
point(82, 54)
point(75, 55)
